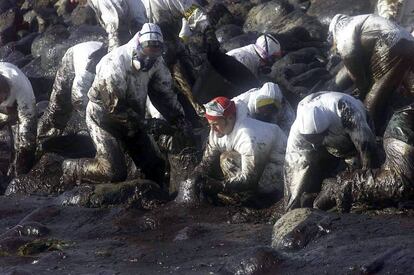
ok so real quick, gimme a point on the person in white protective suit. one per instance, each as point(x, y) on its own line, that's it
point(259, 57)
point(170, 15)
point(399, 11)
point(18, 108)
point(377, 54)
point(328, 126)
point(72, 82)
point(121, 19)
point(116, 110)
point(250, 153)
point(268, 104)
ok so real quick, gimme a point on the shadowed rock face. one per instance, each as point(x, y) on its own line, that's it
point(324, 10)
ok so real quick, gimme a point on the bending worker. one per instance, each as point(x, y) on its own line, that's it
point(328, 126)
point(18, 108)
point(116, 110)
point(72, 82)
point(259, 57)
point(377, 54)
point(250, 153)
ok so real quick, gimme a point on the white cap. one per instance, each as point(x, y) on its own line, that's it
point(150, 32)
point(266, 46)
point(312, 120)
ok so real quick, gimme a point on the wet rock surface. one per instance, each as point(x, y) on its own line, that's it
point(171, 239)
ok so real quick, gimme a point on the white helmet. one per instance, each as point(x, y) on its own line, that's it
point(312, 120)
point(150, 33)
point(266, 45)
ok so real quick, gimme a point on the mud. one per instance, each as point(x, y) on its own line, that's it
point(173, 239)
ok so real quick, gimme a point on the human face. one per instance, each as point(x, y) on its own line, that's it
point(266, 113)
point(221, 126)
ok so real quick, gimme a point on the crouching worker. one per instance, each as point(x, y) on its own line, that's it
point(249, 152)
point(259, 57)
point(377, 54)
point(328, 126)
point(116, 110)
point(268, 104)
point(387, 186)
point(18, 108)
point(72, 82)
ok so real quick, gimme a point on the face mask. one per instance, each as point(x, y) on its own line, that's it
point(145, 62)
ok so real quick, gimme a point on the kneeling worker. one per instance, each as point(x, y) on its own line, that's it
point(250, 153)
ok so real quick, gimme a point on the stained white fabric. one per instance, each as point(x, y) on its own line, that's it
point(171, 11)
point(285, 115)
point(347, 32)
point(123, 90)
point(248, 57)
point(257, 142)
point(113, 14)
point(266, 46)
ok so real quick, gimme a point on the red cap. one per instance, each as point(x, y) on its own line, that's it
point(219, 107)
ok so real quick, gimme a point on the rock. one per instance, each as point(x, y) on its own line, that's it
point(239, 41)
point(263, 17)
point(83, 33)
point(297, 228)
point(9, 21)
point(226, 32)
point(27, 229)
point(52, 36)
point(43, 178)
point(190, 232)
point(83, 15)
point(41, 80)
point(278, 17)
point(324, 10)
point(219, 15)
point(259, 260)
point(143, 194)
point(182, 166)
point(300, 4)
point(6, 145)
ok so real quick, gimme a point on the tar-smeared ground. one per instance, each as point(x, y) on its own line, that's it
point(203, 240)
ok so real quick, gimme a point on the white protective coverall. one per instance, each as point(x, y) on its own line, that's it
point(342, 124)
point(269, 92)
point(260, 147)
point(400, 11)
point(248, 57)
point(377, 54)
point(72, 82)
point(121, 19)
point(114, 114)
point(20, 108)
point(171, 12)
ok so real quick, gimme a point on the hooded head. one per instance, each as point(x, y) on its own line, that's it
point(269, 50)
point(221, 115)
point(150, 46)
point(266, 101)
point(312, 120)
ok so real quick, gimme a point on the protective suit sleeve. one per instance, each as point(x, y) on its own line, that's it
point(348, 44)
point(109, 88)
point(356, 126)
point(26, 112)
point(109, 17)
point(211, 156)
point(193, 13)
point(80, 87)
point(248, 174)
point(162, 95)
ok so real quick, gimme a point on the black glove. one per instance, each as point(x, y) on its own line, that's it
point(211, 186)
point(157, 127)
point(185, 126)
point(210, 40)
